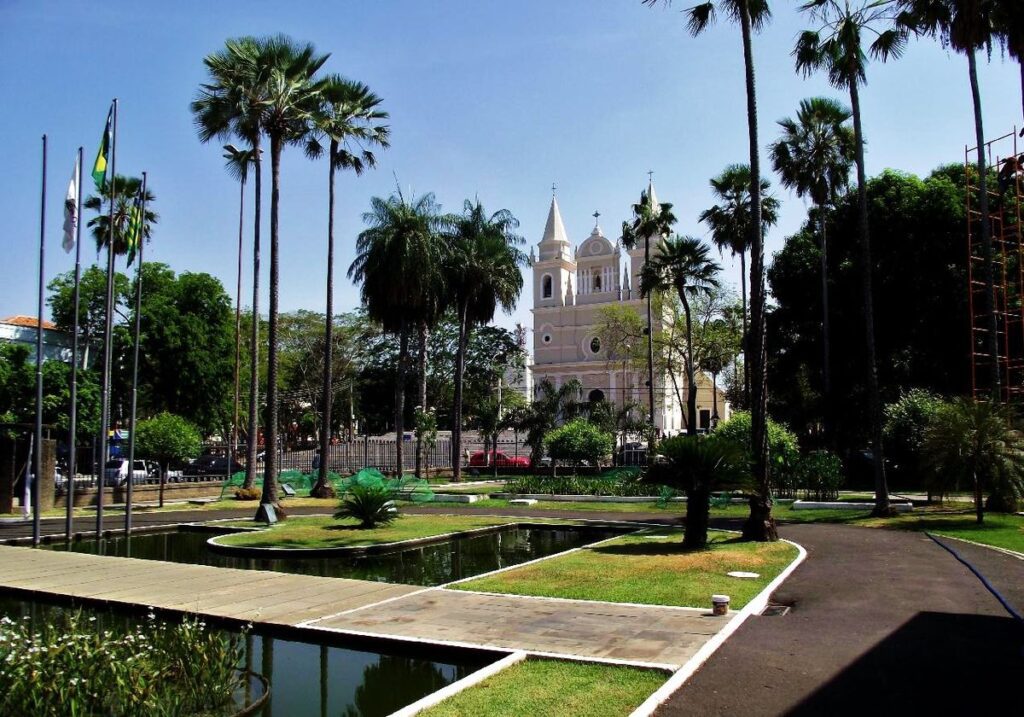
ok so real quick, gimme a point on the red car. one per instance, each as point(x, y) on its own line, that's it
point(479, 460)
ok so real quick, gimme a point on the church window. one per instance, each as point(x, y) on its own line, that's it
point(546, 290)
point(595, 396)
point(595, 345)
point(547, 338)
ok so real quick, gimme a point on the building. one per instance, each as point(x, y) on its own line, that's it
point(570, 287)
point(23, 330)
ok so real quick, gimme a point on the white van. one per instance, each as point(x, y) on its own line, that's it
point(116, 472)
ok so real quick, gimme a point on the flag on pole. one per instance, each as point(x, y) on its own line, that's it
point(133, 236)
point(99, 167)
point(71, 211)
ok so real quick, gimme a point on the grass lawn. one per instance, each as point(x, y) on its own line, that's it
point(325, 532)
point(999, 529)
point(649, 568)
point(678, 508)
point(554, 687)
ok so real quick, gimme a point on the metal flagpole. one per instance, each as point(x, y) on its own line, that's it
point(37, 452)
point(108, 330)
point(73, 408)
point(135, 364)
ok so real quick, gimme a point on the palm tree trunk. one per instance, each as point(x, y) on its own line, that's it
point(760, 525)
point(826, 373)
point(323, 489)
point(271, 466)
point(988, 270)
point(403, 357)
point(695, 536)
point(422, 393)
point(979, 507)
point(650, 360)
point(691, 374)
point(252, 444)
point(460, 370)
point(238, 326)
point(882, 507)
point(743, 339)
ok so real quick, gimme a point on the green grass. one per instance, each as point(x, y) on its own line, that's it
point(999, 529)
point(648, 569)
point(554, 687)
point(325, 532)
point(556, 505)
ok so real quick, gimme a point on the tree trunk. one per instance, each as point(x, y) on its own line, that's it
point(826, 374)
point(460, 370)
point(422, 394)
point(252, 446)
point(988, 270)
point(163, 479)
point(403, 358)
point(650, 361)
point(760, 525)
point(695, 535)
point(882, 507)
point(238, 327)
point(744, 336)
point(323, 489)
point(979, 507)
point(691, 373)
point(271, 463)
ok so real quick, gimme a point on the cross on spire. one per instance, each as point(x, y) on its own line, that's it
point(650, 175)
point(554, 188)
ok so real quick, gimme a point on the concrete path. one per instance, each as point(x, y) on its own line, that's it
point(882, 622)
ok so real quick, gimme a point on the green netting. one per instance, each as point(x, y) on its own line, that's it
point(406, 487)
point(301, 482)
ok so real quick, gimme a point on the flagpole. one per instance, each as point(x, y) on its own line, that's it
point(73, 409)
point(135, 363)
point(37, 452)
point(108, 331)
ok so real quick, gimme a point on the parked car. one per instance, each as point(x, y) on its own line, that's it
point(479, 460)
point(211, 465)
point(116, 472)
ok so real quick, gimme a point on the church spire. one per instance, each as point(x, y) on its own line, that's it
point(650, 192)
point(554, 230)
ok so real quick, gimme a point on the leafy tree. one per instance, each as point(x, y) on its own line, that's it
point(813, 157)
point(782, 446)
point(91, 305)
point(906, 425)
point(348, 118)
point(167, 438)
point(550, 406)
point(578, 441)
point(836, 47)
point(976, 441)
point(683, 264)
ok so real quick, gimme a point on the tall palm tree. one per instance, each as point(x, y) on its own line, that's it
point(752, 16)
point(482, 274)
point(967, 26)
point(683, 264)
point(226, 106)
point(349, 120)
point(238, 163)
point(837, 48)
point(813, 157)
point(125, 191)
point(550, 405)
point(1009, 21)
point(394, 263)
point(729, 222)
point(651, 221)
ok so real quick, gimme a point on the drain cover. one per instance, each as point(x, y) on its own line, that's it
point(741, 574)
point(775, 610)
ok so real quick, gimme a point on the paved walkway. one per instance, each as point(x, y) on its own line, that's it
point(882, 622)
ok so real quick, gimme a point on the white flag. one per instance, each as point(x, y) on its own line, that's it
point(71, 212)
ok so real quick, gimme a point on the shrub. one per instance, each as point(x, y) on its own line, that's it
point(578, 441)
point(906, 423)
point(783, 452)
point(248, 494)
point(370, 505)
point(820, 475)
point(620, 482)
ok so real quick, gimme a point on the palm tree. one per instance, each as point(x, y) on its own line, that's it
point(229, 105)
point(482, 273)
point(813, 157)
point(729, 222)
point(126, 189)
point(1009, 20)
point(683, 264)
point(751, 15)
point(651, 220)
point(836, 47)
point(238, 163)
point(395, 260)
point(549, 406)
point(349, 120)
point(967, 26)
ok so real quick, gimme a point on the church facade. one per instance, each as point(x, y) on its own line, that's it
point(570, 288)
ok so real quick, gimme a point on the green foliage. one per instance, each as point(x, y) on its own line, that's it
point(70, 666)
point(578, 441)
point(819, 474)
point(698, 463)
point(783, 451)
point(906, 424)
point(166, 438)
point(623, 482)
point(425, 421)
point(550, 406)
point(371, 505)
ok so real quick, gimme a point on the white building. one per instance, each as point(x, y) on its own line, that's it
point(570, 287)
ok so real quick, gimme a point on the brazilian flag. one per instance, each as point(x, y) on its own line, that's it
point(133, 234)
point(99, 167)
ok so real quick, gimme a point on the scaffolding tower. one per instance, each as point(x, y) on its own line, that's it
point(1005, 197)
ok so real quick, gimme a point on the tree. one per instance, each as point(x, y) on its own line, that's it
point(730, 227)
point(91, 305)
point(836, 47)
point(125, 190)
point(394, 263)
point(813, 157)
point(167, 438)
point(976, 441)
point(482, 273)
point(751, 15)
point(348, 118)
point(906, 424)
point(696, 465)
point(578, 441)
point(968, 26)
point(1008, 16)
point(682, 264)
point(550, 406)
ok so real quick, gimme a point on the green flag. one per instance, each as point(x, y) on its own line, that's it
point(133, 235)
point(99, 167)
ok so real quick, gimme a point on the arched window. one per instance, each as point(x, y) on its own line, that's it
point(546, 287)
point(595, 396)
point(595, 345)
point(597, 283)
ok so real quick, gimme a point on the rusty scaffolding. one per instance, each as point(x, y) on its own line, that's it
point(1005, 195)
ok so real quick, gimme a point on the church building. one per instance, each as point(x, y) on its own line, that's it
point(570, 287)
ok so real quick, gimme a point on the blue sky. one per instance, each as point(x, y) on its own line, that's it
point(489, 99)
